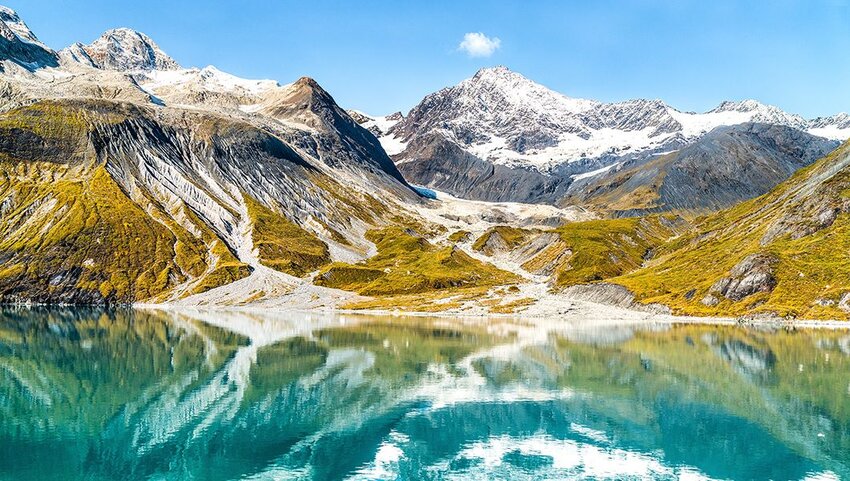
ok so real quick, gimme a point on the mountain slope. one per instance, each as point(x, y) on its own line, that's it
point(726, 166)
point(125, 178)
point(500, 118)
point(111, 194)
point(106, 202)
point(18, 44)
point(784, 253)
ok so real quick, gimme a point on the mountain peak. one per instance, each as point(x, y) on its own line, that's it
point(14, 22)
point(309, 83)
point(18, 44)
point(762, 113)
point(514, 89)
point(498, 74)
point(494, 70)
point(124, 49)
point(748, 105)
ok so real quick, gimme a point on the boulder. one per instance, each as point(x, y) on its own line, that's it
point(751, 275)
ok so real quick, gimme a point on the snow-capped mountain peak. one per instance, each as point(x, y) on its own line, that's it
point(747, 105)
point(208, 78)
point(840, 120)
point(762, 113)
point(519, 90)
point(504, 118)
point(124, 50)
point(11, 19)
point(20, 46)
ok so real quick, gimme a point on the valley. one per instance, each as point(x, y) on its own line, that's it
point(127, 179)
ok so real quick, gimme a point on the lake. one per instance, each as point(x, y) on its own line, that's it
point(95, 395)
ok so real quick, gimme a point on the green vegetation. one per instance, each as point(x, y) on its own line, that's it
point(459, 236)
point(501, 237)
point(813, 261)
point(283, 245)
point(47, 119)
point(69, 233)
point(90, 237)
point(407, 263)
point(602, 249)
point(622, 192)
point(512, 306)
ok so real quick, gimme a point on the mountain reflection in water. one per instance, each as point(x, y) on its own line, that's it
point(88, 394)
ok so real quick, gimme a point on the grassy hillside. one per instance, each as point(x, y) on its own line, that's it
point(406, 263)
point(68, 233)
point(797, 235)
point(602, 249)
point(582, 252)
point(283, 245)
point(82, 239)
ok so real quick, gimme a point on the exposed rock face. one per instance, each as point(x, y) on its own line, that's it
point(379, 126)
point(500, 118)
point(612, 295)
point(833, 122)
point(724, 167)
point(341, 140)
point(437, 163)
point(751, 275)
point(18, 44)
point(358, 117)
point(122, 49)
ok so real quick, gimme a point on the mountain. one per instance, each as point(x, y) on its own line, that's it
point(783, 254)
point(18, 44)
point(121, 49)
point(113, 192)
point(720, 169)
point(526, 142)
point(126, 178)
point(379, 125)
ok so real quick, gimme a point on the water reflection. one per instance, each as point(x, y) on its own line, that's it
point(212, 395)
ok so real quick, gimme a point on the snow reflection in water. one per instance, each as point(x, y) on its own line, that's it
point(241, 395)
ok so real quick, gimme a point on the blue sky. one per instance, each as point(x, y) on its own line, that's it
point(380, 56)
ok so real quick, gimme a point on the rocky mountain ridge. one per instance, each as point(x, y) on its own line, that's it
point(120, 49)
point(508, 126)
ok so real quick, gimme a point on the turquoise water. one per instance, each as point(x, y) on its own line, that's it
point(200, 395)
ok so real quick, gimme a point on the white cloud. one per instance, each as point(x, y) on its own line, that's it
point(476, 44)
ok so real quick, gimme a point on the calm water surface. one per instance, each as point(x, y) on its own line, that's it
point(220, 396)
